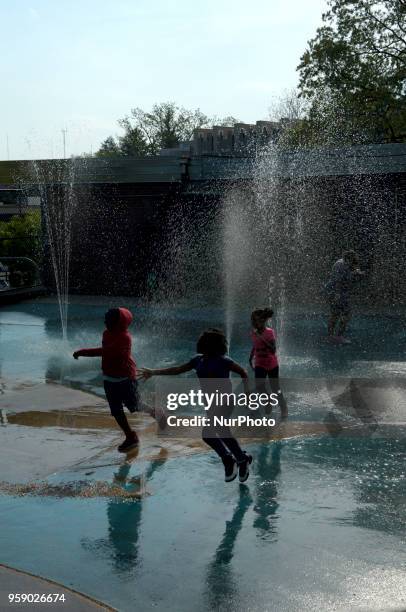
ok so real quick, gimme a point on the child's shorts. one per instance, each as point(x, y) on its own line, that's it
point(123, 393)
point(340, 307)
point(263, 372)
point(273, 375)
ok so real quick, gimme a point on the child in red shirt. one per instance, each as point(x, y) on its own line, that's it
point(263, 354)
point(119, 371)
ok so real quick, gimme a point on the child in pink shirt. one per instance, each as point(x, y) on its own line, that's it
point(263, 359)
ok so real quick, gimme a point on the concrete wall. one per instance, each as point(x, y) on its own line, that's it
point(137, 220)
point(124, 235)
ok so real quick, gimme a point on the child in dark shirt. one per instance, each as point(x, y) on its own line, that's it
point(212, 363)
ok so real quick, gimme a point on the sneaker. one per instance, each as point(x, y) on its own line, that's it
point(129, 444)
point(230, 468)
point(332, 339)
point(243, 467)
point(340, 340)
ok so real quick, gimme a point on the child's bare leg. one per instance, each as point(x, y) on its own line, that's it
point(345, 319)
point(260, 386)
point(275, 388)
point(123, 423)
point(260, 379)
point(332, 324)
point(115, 399)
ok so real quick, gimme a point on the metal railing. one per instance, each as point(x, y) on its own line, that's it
point(18, 273)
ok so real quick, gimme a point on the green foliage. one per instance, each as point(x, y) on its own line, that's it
point(21, 236)
point(108, 148)
point(354, 72)
point(164, 127)
point(132, 143)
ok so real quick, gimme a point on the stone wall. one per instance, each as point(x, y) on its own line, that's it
point(242, 138)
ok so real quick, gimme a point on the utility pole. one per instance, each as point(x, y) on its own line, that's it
point(8, 148)
point(64, 131)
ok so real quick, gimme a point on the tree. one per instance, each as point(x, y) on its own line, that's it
point(165, 126)
point(228, 121)
point(356, 65)
point(108, 148)
point(291, 111)
point(288, 105)
point(21, 236)
point(133, 142)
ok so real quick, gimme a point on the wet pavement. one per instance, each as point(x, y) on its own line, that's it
point(48, 428)
point(41, 593)
point(319, 525)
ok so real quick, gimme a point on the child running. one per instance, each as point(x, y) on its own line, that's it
point(119, 371)
point(263, 359)
point(211, 362)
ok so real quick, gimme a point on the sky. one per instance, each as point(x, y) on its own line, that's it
point(80, 65)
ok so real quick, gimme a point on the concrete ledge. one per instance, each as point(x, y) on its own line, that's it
point(12, 296)
point(17, 581)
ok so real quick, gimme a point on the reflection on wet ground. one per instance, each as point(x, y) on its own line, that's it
point(75, 489)
point(302, 526)
point(319, 525)
point(89, 420)
point(78, 419)
point(153, 448)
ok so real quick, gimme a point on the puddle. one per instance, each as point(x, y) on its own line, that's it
point(78, 419)
point(91, 419)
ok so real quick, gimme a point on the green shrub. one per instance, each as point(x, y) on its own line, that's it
point(21, 236)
